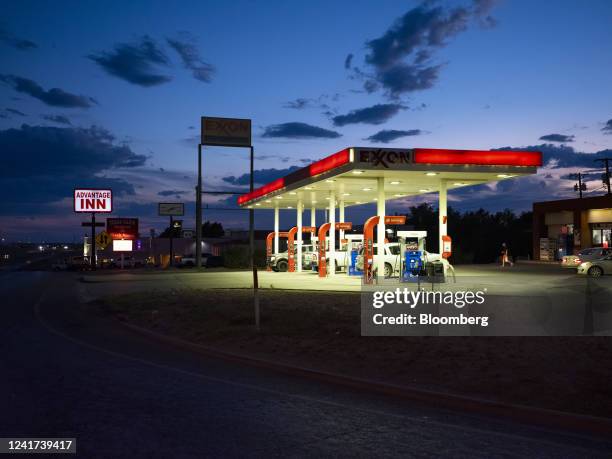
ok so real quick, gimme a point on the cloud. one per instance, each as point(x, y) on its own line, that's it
point(557, 138)
point(386, 136)
point(348, 61)
point(55, 97)
point(14, 111)
point(59, 119)
point(296, 130)
point(322, 102)
point(189, 54)
point(135, 63)
point(260, 176)
point(376, 114)
point(18, 43)
point(64, 158)
point(298, 104)
point(607, 129)
point(171, 193)
point(284, 159)
point(400, 58)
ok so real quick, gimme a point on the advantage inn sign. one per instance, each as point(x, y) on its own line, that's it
point(226, 132)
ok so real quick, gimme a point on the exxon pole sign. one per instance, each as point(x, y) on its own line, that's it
point(226, 132)
point(90, 200)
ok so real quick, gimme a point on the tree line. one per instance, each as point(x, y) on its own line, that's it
point(477, 235)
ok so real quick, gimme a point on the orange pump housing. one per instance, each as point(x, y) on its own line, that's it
point(323, 229)
point(368, 242)
point(269, 239)
point(290, 244)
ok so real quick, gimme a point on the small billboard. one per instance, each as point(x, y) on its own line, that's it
point(122, 228)
point(122, 245)
point(226, 132)
point(171, 209)
point(93, 200)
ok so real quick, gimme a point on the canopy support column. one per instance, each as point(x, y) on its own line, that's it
point(442, 209)
point(331, 263)
point(300, 209)
point(276, 224)
point(379, 261)
point(341, 219)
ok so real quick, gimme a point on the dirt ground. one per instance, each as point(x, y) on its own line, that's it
point(322, 331)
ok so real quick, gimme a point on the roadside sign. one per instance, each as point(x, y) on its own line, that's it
point(103, 240)
point(122, 228)
point(122, 245)
point(171, 209)
point(226, 132)
point(93, 200)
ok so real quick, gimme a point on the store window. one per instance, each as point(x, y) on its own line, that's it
point(602, 235)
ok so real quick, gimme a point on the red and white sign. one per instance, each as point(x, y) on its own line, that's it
point(93, 200)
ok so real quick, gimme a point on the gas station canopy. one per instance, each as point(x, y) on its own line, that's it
point(353, 175)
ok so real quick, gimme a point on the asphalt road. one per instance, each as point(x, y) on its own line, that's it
point(122, 395)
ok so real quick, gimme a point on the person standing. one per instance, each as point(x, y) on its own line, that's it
point(504, 256)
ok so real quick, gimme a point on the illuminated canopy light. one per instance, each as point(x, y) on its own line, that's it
point(395, 182)
point(367, 189)
point(505, 158)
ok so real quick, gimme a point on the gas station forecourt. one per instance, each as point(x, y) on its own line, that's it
point(362, 175)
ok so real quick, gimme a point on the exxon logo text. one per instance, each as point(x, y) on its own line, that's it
point(385, 158)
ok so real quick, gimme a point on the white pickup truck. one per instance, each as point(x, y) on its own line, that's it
point(280, 261)
point(393, 258)
point(342, 258)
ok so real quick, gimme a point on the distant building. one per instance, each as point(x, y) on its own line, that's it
point(565, 227)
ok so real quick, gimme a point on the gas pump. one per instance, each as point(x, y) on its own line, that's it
point(354, 243)
point(412, 246)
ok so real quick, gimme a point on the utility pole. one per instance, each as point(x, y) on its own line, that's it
point(580, 187)
point(199, 211)
point(606, 177)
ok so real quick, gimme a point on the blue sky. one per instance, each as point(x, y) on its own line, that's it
point(505, 74)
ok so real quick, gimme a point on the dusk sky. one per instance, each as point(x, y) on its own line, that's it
point(98, 94)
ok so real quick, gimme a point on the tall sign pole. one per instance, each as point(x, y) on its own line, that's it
point(252, 219)
point(228, 132)
point(93, 241)
point(199, 211)
point(171, 241)
point(92, 200)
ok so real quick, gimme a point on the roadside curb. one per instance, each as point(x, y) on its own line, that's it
point(534, 416)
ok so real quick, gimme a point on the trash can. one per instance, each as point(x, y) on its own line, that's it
point(434, 271)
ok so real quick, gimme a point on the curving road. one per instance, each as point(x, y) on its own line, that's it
point(122, 395)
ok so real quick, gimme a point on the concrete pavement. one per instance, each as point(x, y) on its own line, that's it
point(121, 395)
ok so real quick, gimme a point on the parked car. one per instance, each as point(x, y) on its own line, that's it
point(592, 253)
point(596, 268)
point(72, 263)
point(208, 261)
point(280, 261)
